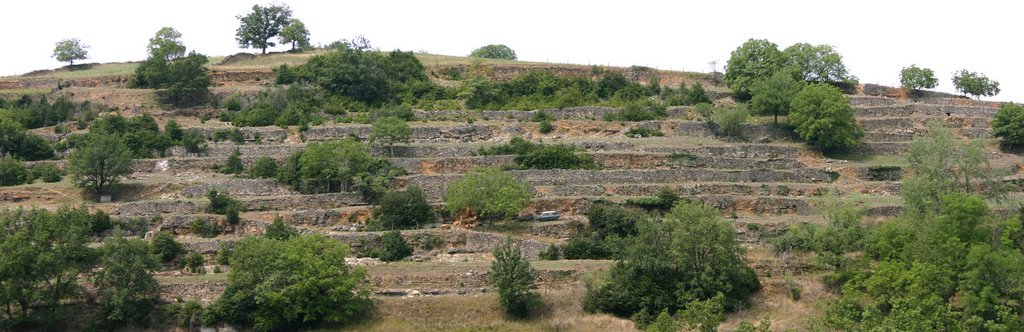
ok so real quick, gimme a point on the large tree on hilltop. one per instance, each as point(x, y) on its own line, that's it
point(262, 24)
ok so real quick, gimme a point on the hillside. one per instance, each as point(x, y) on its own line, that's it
point(762, 182)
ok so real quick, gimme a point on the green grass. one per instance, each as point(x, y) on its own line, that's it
point(99, 70)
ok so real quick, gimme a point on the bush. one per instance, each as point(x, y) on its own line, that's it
point(513, 276)
point(16, 141)
point(221, 203)
point(489, 193)
point(187, 315)
point(558, 156)
point(1008, 124)
point(233, 164)
point(278, 230)
point(545, 127)
point(193, 142)
point(12, 172)
point(165, 247)
point(47, 172)
point(643, 132)
point(402, 209)
point(823, 117)
point(729, 122)
point(392, 248)
point(638, 111)
point(231, 216)
point(194, 262)
point(265, 168)
point(203, 228)
point(552, 253)
point(585, 247)
point(287, 285)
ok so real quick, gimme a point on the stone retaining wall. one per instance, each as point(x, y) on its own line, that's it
point(240, 187)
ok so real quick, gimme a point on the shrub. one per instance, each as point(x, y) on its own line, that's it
point(1008, 124)
point(638, 111)
point(513, 276)
point(47, 172)
point(489, 193)
point(278, 230)
point(558, 156)
point(300, 282)
point(233, 164)
point(203, 228)
point(823, 117)
point(402, 209)
point(231, 216)
point(194, 262)
point(220, 203)
point(552, 253)
point(585, 247)
point(729, 122)
point(430, 241)
point(643, 132)
point(265, 168)
point(392, 247)
point(705, 111)
point(165, 247)
point(545, 127)
point(12, 172)
point(517, 145)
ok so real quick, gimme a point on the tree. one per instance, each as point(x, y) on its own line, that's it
point(730, 121)
point(941, 164)
point(44, 254)
point(975, 84)
point(296, 34)
point(289, 284)
point(914, 78)
point(823, 117)
point(12, 171)
point(166, 44)
point(127, 290)
point(692, 255)
point(817, 63)
point(403, 209)
point(489, 193)
point(257, 28)
point(494, 51)
point(100, 162)
point(1008, 124)
point(390, 130)
point(264, 168)
point(165, 247)
point(755, 59)
point(16, 141)
point(774, 94)
point(513, 276)
point(69, 50)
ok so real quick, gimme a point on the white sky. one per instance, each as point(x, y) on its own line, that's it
point(876, 38)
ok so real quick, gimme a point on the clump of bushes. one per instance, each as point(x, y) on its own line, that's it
point(639, 132)
point(540, 156)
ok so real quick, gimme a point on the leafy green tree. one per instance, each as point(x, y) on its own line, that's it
point(703, 315)
point(975, 84)
point(489, 193)
point(755, 59)
point(915, 78)
point(257, 28)
point(390, 130)
point(823, 117)
point(165, 247)
point(296, 34)
point(264, 168)
point(193, 142)
point(290, 284)
point(940, 164)
point(817, 63)
point(127, 290)
point(220, 203)
point(12, 172)
point(691, 256)
point(173, 130)
point(16, 141)
point(774, 94)
point(99, 163)
point(367, 77)
point(513, 276)
point(166, 44)
point(69, 50)
point(1008, 124)
point(403, 209)
point(44, 255)
point(278, 230)
point(393, 247)
point(194, 263)
point(663, 323)
point(49, 173)
point(494, 51)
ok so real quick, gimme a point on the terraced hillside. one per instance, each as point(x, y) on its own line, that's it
point(763, 182)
